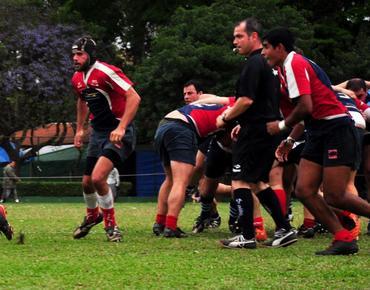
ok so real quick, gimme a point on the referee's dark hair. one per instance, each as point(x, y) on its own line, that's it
point(280, 35)
point(251, 25)
point(198, 87)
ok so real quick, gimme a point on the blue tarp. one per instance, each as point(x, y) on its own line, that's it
point(149, 173)
point(4, 157)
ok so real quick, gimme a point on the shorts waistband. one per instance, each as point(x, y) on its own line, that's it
point(173, 120)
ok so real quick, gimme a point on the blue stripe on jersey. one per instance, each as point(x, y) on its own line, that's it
point(347, 102)
point(187, 109)
point(321, 75)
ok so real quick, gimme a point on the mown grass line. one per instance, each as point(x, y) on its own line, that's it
point(51, 259)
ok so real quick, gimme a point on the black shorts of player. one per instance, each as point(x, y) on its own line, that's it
point(253, 154)
point(217, 159)
point(204, 144)
point(333, 142)
point(99, 145)
point(175, 140)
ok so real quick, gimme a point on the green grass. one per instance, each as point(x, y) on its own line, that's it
point(51, 259)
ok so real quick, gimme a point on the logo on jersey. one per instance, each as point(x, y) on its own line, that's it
point(79, 85)
point(332, 154)
point(237, 168)
point(94, 83)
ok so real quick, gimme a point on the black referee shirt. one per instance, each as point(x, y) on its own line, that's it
point(258, 82)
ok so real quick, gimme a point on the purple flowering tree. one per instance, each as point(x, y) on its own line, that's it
point(35, 73)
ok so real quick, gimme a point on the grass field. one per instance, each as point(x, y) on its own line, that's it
point(51, 259)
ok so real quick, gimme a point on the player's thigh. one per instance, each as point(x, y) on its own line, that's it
point(308, 179)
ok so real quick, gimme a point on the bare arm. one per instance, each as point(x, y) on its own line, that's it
point(340, 89)
point(82, 112)
point(132, 104)
point(212, 99)
point(241, 105)
point(302, 109)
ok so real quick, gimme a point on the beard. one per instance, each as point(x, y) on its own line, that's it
point(82, 67)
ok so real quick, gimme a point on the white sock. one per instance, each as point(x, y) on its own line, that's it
point(106, 201)
point(91, 200)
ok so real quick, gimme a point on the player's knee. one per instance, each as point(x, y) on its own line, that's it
point(303, 192)
point(98, 180)
point(334, 200)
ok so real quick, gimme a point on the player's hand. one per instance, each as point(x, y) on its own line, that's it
point(273, 127)
point(219, 122)
point(78, 140)
point(235, 133)
point(283, 150)
point(116, 136)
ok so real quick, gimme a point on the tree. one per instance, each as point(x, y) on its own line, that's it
point(130, 23)
point(197, 44)
point(35, 71)
point(341, 36)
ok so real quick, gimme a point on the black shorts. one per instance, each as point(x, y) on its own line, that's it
point(204, 144)
point(333, 142)
point(253, 154)
point(99, 145)
point(294, 155)
point(175, 140)
point(217, 160)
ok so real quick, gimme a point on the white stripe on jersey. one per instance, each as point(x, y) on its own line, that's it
point(116, 78)
point(290, 78)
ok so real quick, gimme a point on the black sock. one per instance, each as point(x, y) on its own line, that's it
point(206, 205)
point(244, 201)
point(271, 203)
point(233, 211)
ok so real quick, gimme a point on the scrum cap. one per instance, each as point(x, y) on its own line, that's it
point(86, 44)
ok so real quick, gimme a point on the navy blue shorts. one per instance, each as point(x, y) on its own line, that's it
point(99, 145)
point(333, 143)
point(175, 140)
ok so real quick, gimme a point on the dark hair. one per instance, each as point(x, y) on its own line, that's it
point(356, 84)
point(198, 87)
point(280, 35)
point(251, 25)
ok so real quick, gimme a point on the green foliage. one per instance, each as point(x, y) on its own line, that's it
point(197, 44)
point(60, 189)
point(51, 259)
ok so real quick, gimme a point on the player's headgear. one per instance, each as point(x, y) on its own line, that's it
point(86, 44)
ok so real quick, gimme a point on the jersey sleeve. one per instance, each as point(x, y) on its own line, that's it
point(117, 79)
point(297, 78)
point(361, 105)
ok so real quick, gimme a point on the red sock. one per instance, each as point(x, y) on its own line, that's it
point(92, 213)
point(343, 235)
point(171, 222)
point(109, 217)
point(160, 219)
point(281, 195)
point(2, 211)
point(309, 223)
point(258, 223)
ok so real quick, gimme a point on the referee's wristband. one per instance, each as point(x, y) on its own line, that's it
point(282, 125)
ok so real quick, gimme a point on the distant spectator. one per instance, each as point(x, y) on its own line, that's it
point(113, 182)
point(10, 180)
